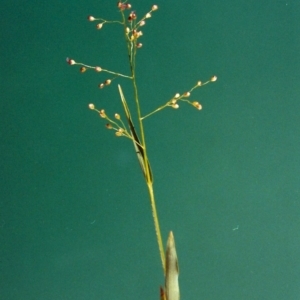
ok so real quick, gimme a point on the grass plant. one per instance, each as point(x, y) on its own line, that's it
point(131, 26)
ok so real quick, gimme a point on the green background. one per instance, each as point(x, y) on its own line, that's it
point(75, 219)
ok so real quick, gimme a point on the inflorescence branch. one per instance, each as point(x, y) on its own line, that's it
point(183, 97)
point(120, 129)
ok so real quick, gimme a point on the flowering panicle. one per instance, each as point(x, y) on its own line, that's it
point(133, 35)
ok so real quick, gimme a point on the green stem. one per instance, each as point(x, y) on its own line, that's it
point(132, 56)
point(156, 225)
point(148, 178)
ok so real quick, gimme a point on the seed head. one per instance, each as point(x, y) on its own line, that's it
point(214, 78)
point(99, 25)
point(91, 106)
point(70, 61)
point(91, 18)
point(117, 116)
point(154, 7)
point(132, 16)
point(101, 85)
point(108, 126)
point(98, 69)
point(199, 83)
point(175, 105)
point(186, 94)
point(107, 82)
point(102, 113)
point(177, 95)
point(123, 6)
point(82, 69)
point(197, 105)
point(148, 15)
point(137, 34)
point(139, 45)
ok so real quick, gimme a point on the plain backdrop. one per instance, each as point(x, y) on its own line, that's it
point(75, 219)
